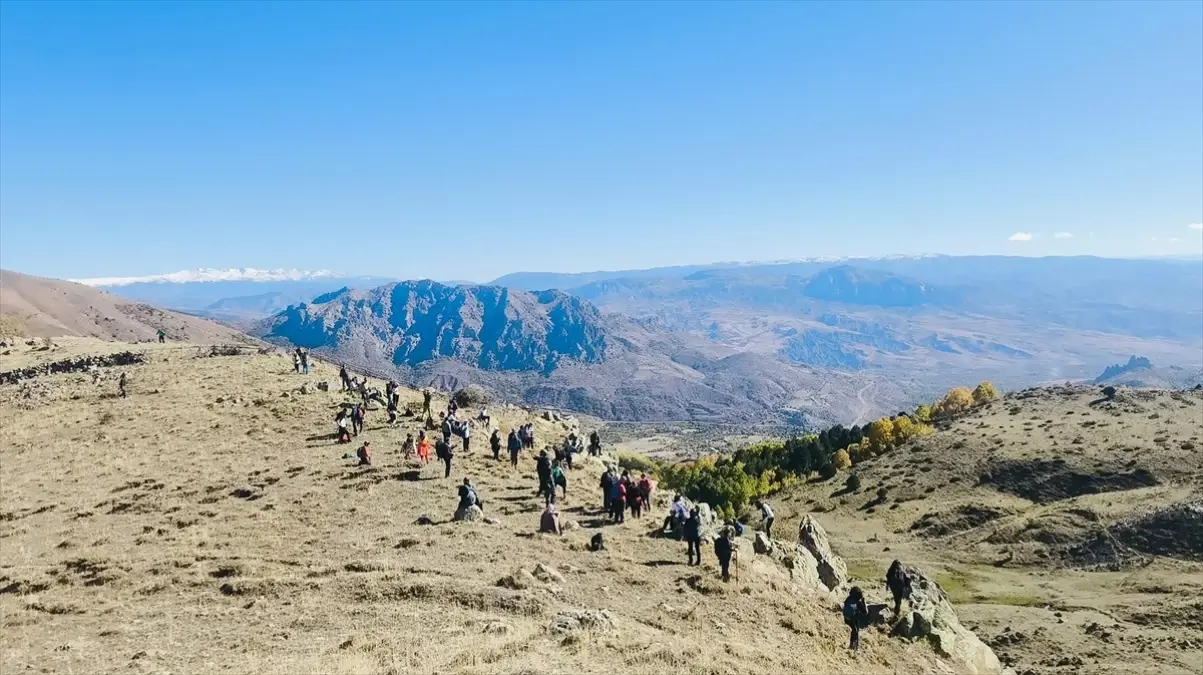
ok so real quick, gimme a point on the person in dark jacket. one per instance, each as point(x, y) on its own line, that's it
point(855, 615)
point(607, 484)
point(693, 537)
point(344, 378)
point(495, 444)
point(356, 420)
point(899, 585)
point(543, 469)
point(594, 444)
point(468, 496)
point(442, 449)
point(515, 446)
point(722, 550)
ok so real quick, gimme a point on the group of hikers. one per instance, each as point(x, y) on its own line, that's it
point(300, 361)
point(619, 492)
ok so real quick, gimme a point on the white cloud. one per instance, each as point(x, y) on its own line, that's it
point(1175, 239)
point(1021, 236)
point(1196, 226)
point(208, 274)
point(1063, 235)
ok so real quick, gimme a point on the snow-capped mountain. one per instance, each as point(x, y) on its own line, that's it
point(209, 275)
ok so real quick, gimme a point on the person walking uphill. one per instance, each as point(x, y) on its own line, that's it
point(607, 483)
point(766, 512)
point(899, 585)
point(693, 537)
point(855, 615)
point(547, 489)
point(618, 501)
point(442, 450)
point(344, 378)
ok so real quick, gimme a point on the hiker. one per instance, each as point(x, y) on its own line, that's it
point(693, 536)
point(528, 436)
point(408, 447)
point(549, 522)
point(899, 584)
point(426, 395)
point(855, 613)
point(766, 513)
point(484, 418)
point(340, 420)
point(121, 382)
point(356, 419)
point(594, 444)
point(442, 450)
point(634, 497)
point(304, 361)
point(363, 390)
point(644, 491)
point(558, 478)
point(364, 453)
point(597, 542)
point(465, 432)
point(607, 483)
point(423, 448)
point(677, 514)
point(392, 410)
point(618, 501)
point(344, 378)
point(296, 363)
point(515, 446)
point(162, 336)
point(722, 550)
point(446, 428)
point(543, 469)
point(495, 444)
point(468, 497)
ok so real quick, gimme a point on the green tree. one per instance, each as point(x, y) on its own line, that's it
point(985, 392)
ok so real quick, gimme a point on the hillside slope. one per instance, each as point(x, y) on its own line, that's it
point(207, 523)
point(50, 308)
point(1069, 526)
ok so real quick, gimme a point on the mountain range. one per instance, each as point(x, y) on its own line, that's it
point(800, 340)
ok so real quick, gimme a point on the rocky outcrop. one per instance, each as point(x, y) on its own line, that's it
point(830, 567)
point(471, 514)
point(414, 322)
point(930, 617)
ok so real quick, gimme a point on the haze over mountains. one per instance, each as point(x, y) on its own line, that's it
point(812, 340)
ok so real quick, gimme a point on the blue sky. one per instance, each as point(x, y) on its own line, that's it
point(467, 140)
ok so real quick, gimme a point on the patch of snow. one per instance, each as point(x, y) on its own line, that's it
point(210, 274)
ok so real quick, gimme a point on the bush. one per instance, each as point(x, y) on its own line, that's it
point(955, 402)
point(881, 435)
point(471, 396)
point(841, 460)
point(853, 482)
point(638, 464)
point(985, 392)
point(923, 413)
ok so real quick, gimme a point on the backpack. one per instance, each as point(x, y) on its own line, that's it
point(849, 610)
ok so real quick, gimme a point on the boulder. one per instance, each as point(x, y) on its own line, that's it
point(306, 389)
point(323, 386)
point(547, 574)
point(470, 514)
point(573, 620)
point(930, 616)
point(831, 568)
point(803, 569)
point(518, 580)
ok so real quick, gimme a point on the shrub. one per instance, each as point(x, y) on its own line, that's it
point(853, 482)
point(923, 413)
point(985, 392)
point(956, 401)
point(638, 464)
point(904, 430)
point(841, 460)
point(471, 396)
point(881, 435)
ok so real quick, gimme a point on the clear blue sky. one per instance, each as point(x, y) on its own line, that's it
point(466, 140)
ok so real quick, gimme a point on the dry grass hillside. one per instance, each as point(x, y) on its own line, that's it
point(1068, 527)
point(39, 307)
point(207, 523)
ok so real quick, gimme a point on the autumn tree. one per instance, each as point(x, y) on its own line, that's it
point(985, 392)
point(956, 401)
point(881, 435)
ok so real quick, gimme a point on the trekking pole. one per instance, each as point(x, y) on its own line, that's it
point(736, 556)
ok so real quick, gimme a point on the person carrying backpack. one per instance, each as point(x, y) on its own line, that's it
point(607, 484)
point(468, 496)
point(543, 469)
point(618, 501)
point(364, 453)
point(855, 614)
point(559, 478)
point(356, 419)
point(515, 446)
point(899, 585)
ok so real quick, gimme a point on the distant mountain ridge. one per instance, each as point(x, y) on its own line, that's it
point(410, 323)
